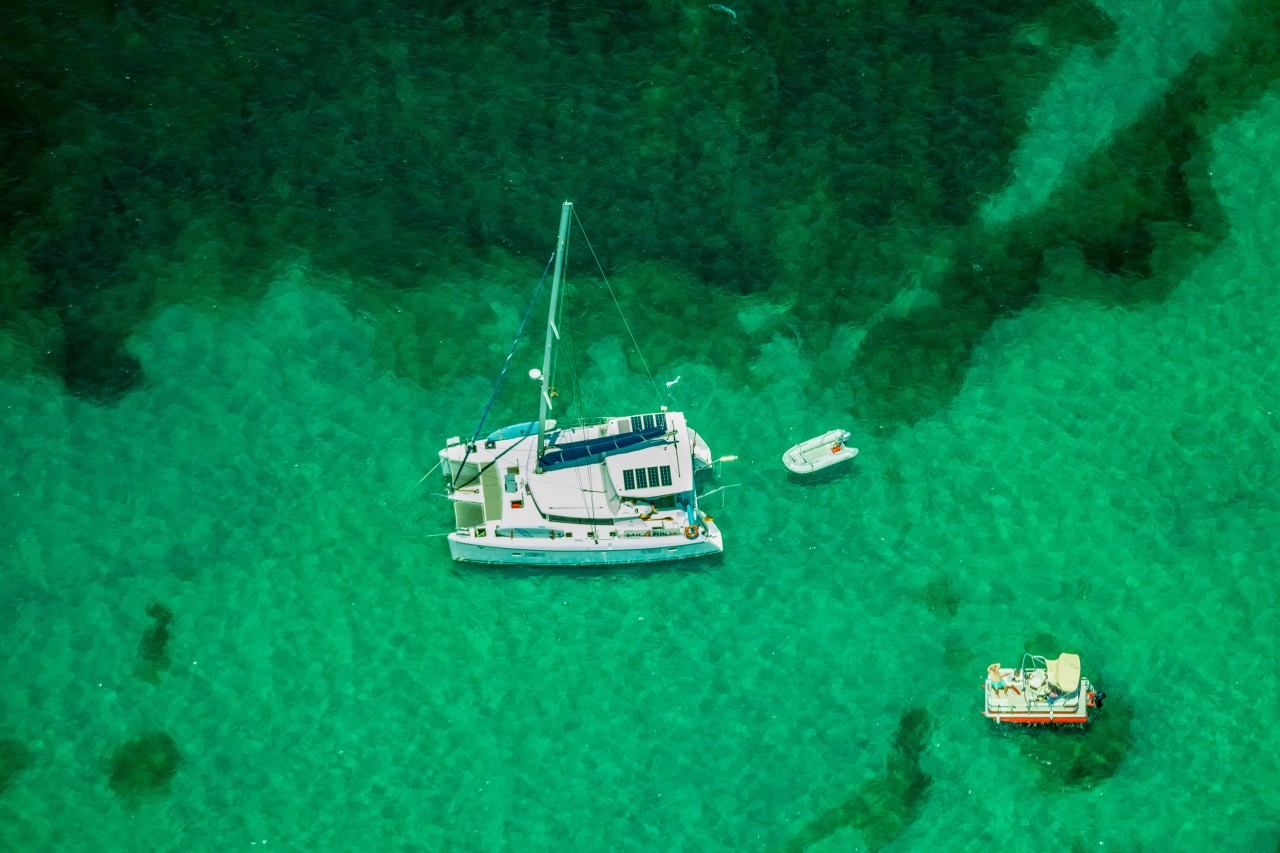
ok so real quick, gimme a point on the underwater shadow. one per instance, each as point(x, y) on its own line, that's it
point(15, 758)
point(143, 768)
point(1078, 759)
point(153, 649)
point(883, 808)
point(1122, 230)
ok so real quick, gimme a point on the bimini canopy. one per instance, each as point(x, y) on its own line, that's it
point(1064, 673)
point(596, 449)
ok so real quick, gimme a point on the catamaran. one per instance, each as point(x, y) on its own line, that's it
point(603, 490)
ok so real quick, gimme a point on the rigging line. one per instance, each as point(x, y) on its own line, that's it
point(616, 304)
point(492, 462)
point(567, 317)
point(528, 312)
point(584, 399)
point(432, 471)
point(581, 474)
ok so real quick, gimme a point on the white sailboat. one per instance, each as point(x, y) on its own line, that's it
point(608, 490)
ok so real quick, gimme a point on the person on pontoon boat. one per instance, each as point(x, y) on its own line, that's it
point(996, 681)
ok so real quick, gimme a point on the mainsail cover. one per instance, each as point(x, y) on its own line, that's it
point(1065, 673)
point(595, 449)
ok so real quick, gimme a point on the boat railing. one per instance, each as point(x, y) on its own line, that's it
point(1030, 662)
point(653, 531)
point(575, 423)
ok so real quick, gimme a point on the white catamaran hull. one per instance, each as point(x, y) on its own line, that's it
point(588, 551)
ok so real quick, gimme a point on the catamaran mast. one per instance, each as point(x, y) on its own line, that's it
point(553, 334)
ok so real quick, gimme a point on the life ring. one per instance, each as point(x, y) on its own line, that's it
point(691, 532)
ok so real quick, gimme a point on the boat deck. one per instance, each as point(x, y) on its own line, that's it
point(1012, 706)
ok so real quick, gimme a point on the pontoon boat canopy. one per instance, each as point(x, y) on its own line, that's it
point(1065, 673)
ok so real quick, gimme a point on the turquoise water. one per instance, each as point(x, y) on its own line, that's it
point(260, 262)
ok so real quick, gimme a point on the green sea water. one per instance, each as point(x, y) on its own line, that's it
point(261, 260)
